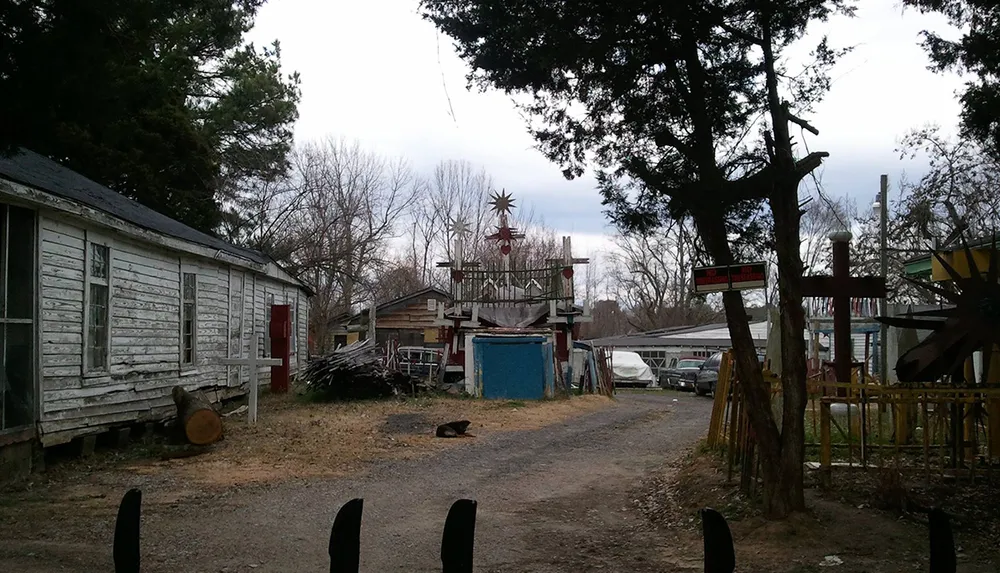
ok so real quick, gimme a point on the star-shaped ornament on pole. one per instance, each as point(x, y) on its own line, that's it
point(459, 227)
point(501, 203)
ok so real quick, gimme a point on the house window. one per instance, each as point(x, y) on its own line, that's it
point(189, 317)
point(98, 306)
point(267, 325)
point(292, 348)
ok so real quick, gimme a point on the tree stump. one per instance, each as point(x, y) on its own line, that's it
point(196, 417)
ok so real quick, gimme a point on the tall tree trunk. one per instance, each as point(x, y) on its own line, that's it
point(784, 201)
point(785, 209)
point(779, 498)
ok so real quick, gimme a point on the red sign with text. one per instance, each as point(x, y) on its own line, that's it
point(750, 275)
point(732, 277)
point(711, 279)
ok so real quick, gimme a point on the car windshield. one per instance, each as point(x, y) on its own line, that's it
point(689, 363)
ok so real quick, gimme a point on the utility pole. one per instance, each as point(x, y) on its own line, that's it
point(883, 199)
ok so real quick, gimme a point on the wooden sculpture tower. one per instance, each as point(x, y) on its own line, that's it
point(500, 295)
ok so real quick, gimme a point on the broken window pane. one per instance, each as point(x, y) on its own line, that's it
point(190, 280)
point(98, 261)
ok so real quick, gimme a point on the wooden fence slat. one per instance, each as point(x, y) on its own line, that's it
point(720, 397)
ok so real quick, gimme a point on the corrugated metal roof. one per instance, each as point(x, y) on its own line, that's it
point(667, 342)
point(702, 335)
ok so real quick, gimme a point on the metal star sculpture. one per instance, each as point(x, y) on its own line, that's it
point(459, 227)
point(501, 202)
point(970, 324)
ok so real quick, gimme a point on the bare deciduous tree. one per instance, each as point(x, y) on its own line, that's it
point(398, 278)
point(651, 276)
point(960, 193)
point(341, 208)
point(610, 319)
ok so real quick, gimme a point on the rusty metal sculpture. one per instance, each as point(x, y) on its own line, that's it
point(969, 325)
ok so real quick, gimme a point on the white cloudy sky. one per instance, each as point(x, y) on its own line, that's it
point(374, 71)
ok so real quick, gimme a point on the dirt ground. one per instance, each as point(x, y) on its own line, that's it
point(581, 485)
point(266, 490)
point(844, 530)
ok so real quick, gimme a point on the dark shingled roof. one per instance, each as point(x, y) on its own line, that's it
point(34, 170)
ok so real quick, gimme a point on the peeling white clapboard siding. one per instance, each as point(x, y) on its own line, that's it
point(61, 324)
point(145, 340)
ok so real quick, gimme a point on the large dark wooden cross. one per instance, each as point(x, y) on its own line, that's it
point(842, 287)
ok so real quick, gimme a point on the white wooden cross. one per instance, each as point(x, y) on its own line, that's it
point(253, 362)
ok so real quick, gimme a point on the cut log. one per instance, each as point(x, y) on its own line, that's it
point(200, 422)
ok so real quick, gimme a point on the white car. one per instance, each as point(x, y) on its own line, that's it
point(630, 370)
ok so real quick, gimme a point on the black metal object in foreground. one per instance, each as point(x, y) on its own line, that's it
point(126, 544)
point(720, 555)
point(457, 542)
point(943, 558)
point(459, 538)
point(345, 538)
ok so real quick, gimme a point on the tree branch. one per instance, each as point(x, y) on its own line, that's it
point(800, 122)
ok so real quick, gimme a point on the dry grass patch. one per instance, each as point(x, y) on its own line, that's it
point(293, 439)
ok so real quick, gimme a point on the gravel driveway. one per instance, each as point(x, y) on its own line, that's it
point(554, 499)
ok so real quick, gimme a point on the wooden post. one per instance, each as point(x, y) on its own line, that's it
point(993, 419)
point(459, 240)
point(969, 416)
point(567, 282)
point(825, 453)
point(842, 344)
point(883, 338)
point(902, 421)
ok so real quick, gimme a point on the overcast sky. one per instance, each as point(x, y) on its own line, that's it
point(374, 71)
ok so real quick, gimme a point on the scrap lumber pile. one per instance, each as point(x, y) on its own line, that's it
point(355, 371)
point(603, 373)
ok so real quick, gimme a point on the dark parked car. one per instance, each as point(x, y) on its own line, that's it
point(708, 375)
point(681, 373)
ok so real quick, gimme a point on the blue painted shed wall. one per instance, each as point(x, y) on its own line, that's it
point(514, 367)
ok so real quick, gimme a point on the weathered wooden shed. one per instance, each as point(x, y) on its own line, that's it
point(105, 305)
point(410, 320)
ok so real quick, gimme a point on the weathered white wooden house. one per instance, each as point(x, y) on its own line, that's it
point(105, 305)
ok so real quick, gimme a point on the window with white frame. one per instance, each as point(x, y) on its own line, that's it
point(189, 318)
point(98, 291)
